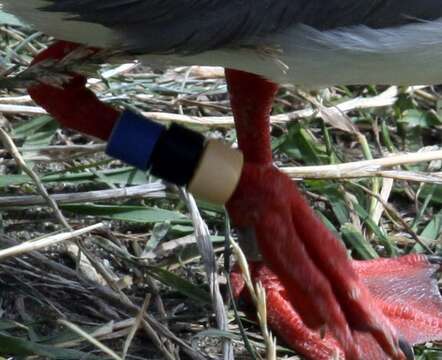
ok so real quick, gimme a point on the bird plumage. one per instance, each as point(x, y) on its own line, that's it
point(312, 43)
point(189, 26)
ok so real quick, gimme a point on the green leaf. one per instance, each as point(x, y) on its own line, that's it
point(341, 212)
point(301, 145)
point(434, 191)
point(179, 230)
point(14, 346)
point(42, 137)
point(415, 118)
point(139, 214)
point(29, 128)
point(431, 232)
point(7, 180)
point(123, 176)
point(8, 324)
point(327, 222)
point(159, 232)
point(358, 242)
point(181, 285)
point(388, 243)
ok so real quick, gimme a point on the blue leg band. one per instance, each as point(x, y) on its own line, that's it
point(133, 139)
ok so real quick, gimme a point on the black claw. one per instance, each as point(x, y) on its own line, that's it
point(406, 348)
point(435, 259)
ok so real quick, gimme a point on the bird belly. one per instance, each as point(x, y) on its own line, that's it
point(300, 55)
point(405, 55)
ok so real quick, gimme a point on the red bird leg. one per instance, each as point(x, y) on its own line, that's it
point(310, 262)
point(73, 105)
point(405, 288)
point(251, 99)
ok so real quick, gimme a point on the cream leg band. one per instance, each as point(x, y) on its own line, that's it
point(217, 174)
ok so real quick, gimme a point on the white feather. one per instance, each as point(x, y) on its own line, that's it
point(56, 24)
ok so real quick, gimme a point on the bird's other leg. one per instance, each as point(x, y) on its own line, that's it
point(310, 262)
point(262, 203)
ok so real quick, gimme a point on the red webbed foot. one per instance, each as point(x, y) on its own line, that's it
point(404, 288)
point(310, 262)
point(283, 320)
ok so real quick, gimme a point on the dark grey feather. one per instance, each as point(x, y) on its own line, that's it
point(190, 26)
